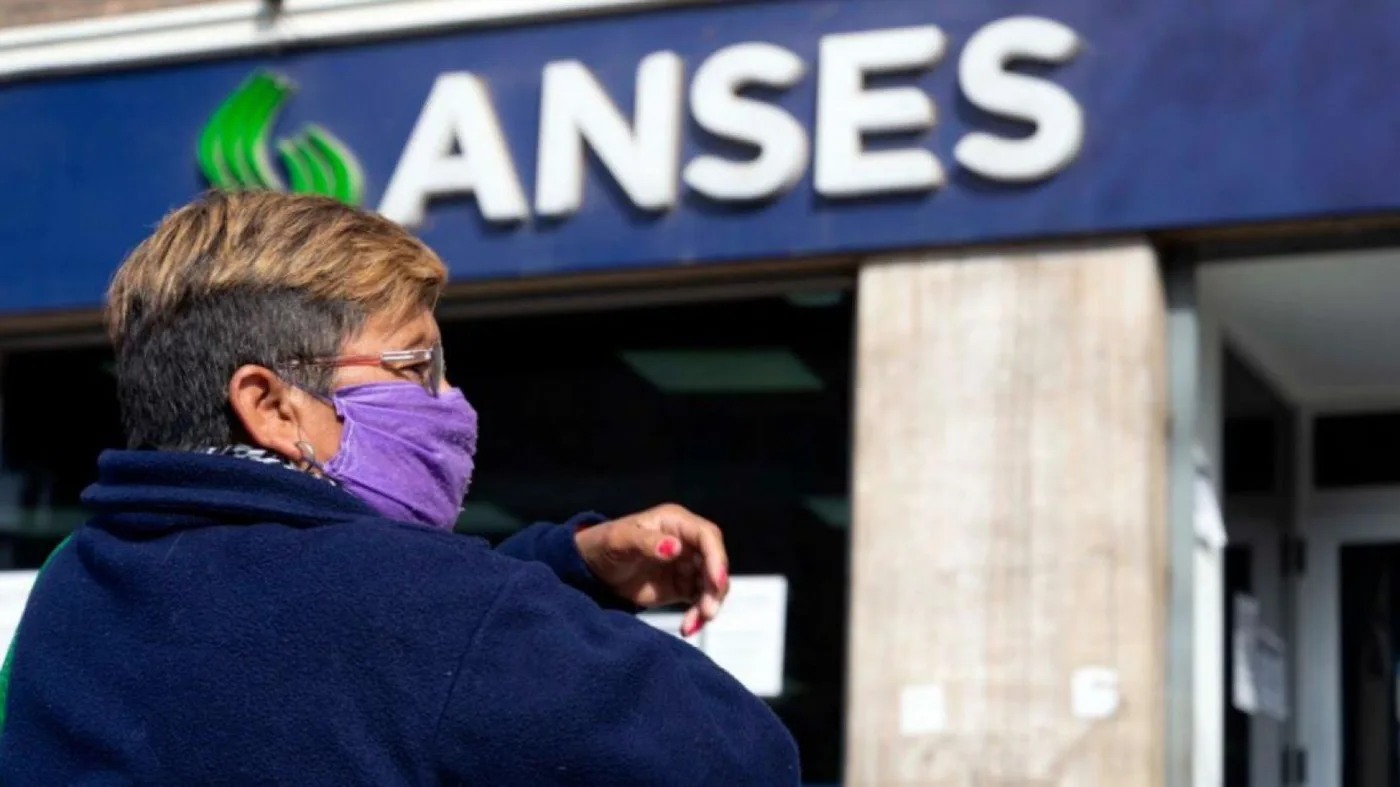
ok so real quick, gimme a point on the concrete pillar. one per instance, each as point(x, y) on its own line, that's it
point(1010, 521)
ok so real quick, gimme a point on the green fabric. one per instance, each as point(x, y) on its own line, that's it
point(10, 654)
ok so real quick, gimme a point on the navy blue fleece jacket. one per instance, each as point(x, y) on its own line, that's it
point(223, 622)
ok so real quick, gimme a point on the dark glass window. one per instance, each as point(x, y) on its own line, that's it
point(738, 410)
point(58, 410)
point(1257, 434)
point(1356, 450)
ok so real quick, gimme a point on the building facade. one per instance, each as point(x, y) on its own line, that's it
point(1037, 346)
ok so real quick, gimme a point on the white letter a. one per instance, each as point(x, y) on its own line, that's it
point(458, 114)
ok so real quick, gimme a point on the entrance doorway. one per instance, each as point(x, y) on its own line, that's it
point(1349, 669)
point(1320, 328)
point(1257, 477)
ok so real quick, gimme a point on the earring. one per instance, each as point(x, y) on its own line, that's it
point(308, 454)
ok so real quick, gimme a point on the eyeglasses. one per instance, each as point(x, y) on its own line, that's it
point(427, 364)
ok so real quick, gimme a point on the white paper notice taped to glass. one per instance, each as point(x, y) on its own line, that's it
point(1244, 686)
point(748, 637)
point(1260, 657)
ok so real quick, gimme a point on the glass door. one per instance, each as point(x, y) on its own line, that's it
point(1369, 578)
point(1256, 605)
point(1349, 670)
point(1349, 596)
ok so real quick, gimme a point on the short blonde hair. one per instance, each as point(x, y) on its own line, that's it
point(252, 277)
point(266, 240)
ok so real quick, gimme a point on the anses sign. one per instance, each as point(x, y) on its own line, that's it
point(457, 147)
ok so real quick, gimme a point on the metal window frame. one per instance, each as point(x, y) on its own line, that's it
point(1183, 349)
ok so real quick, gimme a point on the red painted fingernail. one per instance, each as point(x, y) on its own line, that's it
point(724, 576)
point(667, 548)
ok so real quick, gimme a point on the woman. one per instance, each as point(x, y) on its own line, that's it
point(270, 592)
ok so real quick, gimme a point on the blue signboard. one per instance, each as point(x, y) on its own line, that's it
point(1141, 115)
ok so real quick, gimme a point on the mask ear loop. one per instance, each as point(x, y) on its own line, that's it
point(308, 451)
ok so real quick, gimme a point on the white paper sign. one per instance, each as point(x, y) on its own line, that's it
point(1244, 686)
point(1260, 684)
point(748, 638)
point(14, 594)
point(666, 622)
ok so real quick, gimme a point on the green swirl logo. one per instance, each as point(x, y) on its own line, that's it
point(234, 151)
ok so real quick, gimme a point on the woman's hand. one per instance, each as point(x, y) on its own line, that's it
point(665, 555)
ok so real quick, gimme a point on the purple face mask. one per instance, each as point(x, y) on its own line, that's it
point(405, 452)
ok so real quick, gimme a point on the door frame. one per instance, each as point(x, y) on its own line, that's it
point(1332, 519)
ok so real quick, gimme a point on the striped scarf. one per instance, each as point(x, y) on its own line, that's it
point(260, 455)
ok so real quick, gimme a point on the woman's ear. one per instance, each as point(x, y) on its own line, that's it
point(265, 407)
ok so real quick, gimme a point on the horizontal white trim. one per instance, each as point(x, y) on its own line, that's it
point(244, 25)
point(1335, 400)
point(1353, 514)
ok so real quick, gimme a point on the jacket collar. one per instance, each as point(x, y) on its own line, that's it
point(165, 490)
